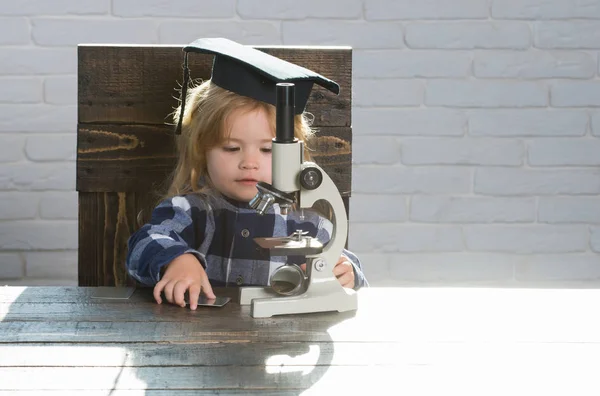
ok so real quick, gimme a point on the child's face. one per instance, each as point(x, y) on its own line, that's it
point(239, 163)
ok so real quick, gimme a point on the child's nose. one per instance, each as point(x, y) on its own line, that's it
point(249, 161)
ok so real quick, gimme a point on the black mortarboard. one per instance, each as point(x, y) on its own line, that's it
point(253, 73)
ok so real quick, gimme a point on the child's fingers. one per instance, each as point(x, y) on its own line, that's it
point(303, 267)
point(179, 293)
point(194, 294)
point(168, 290)
point(158, 288)
point(207, 288)
point(341, 268)
point(347, 280)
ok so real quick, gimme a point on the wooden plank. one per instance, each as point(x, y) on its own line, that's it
point(124, 157)
point(139, 84)
point(334, 379)
point(146, 392)
point(470, 378)
point(106, 220)
point(129, 158)
point(239, 354)
point(77, 294)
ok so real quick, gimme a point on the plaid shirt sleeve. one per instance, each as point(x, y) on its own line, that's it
point(176, 225)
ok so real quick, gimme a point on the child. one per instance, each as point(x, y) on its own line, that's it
point(202, 234)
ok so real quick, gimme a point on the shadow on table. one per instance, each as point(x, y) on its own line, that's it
point(59, 338)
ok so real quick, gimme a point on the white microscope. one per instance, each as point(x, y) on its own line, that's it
point(302, 183)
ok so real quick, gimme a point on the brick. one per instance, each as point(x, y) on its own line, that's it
point(55, 147)
point(502, 182)
point(440, 209)
point(243, 32)
point(575, 94)
point(71, 32)
point(20, 90)
point(37, 177)
point(365, 208)
point(545, 9)
point(429, 9)
point(596, 124)
point(60, 90)
point(571, 34)
point(534, 64)
point(528, 122)
point(595, 239)
point(450, 267)
point(558, 267)
point(564, 152)
point(370, 93)
point(11, 148)
point(357, 34)
point(569, 210)
point(52, 265)
point(465, 151)
point(409, 64)
point(292, 9)
point(526, 239)
point(408, 122)
point(181, 8)
point(485, 93)
point(37, 61)
point(32, 235)
point(387, 238)
point(402, 180)
point(14, 31)
point(11, 266)
point(54, 7)
point(37, 118)
point(15, 205)
point(59, 205)
point(375, 150)
point(468, 35)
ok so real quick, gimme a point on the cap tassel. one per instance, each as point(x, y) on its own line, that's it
point(186, 78)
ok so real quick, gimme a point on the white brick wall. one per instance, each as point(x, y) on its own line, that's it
point(476, 127)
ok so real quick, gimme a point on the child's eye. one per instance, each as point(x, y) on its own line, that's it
point(230, 149)
point(266, 149)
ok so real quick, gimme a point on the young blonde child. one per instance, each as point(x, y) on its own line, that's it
point(201, 234)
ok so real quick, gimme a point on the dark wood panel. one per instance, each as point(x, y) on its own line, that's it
point(128, 158)
point(106, 220)
point(124, 158)
point(139, 84)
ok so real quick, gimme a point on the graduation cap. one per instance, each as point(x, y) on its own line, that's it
point(249, 72)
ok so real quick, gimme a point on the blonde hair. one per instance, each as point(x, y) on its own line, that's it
point(205, 126)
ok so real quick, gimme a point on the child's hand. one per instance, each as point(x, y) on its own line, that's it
point(343, 270)
point(183, 274)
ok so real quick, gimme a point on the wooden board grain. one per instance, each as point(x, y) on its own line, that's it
point(106, 220)
point(126, 158)
point(140, 84)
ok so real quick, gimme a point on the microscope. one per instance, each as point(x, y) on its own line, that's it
point(298, 184)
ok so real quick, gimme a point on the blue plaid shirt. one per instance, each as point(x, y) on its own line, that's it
point(219, 232)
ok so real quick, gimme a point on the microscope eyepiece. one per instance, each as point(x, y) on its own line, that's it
point(285, 108)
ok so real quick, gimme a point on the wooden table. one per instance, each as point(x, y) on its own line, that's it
point(404, 341)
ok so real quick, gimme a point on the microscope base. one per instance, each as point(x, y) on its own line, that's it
point(265, 303)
